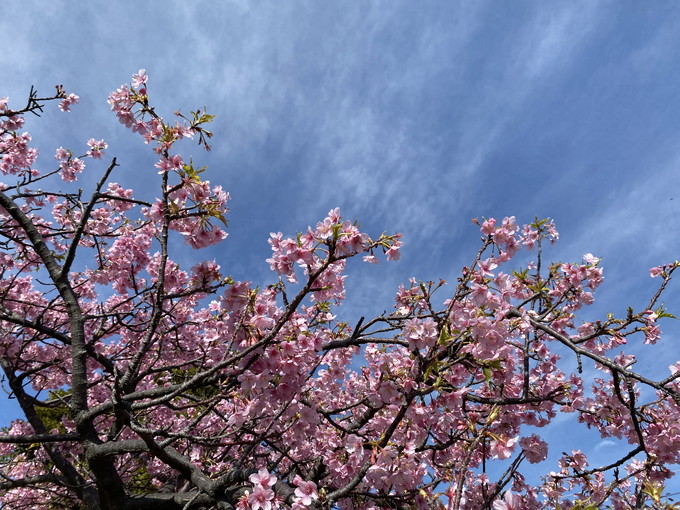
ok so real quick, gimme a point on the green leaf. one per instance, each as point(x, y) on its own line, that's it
point(521, 275)
point(434, 367)
point(666, 314)
point(444, 336)
point(221, 217)
point(487, 373)
point(336, 229)
point(206, 118)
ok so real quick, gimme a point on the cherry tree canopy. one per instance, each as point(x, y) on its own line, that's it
point(146, 385)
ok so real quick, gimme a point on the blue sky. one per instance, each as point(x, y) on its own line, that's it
point(410, 116)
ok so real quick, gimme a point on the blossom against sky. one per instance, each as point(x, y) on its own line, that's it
point(410, 117)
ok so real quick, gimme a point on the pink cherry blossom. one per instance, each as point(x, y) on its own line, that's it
point(67, 102)
point(393, 252)
point(263, 478)
point(96, 148)
point(509, 502)
point(62, 154)
point(261, 498)
point(305, 492)
point(502, 448)
point(139, 79)
point(71, 168)
point(655, 271)
point(534, 448)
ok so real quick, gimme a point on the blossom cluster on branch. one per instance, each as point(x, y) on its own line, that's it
point(145, 385)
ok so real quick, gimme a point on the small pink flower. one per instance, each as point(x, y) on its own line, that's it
point(655, 271)
point(535, 449)
point(652, 334)
point(62, 154)
point(139, 79)
point(577, 460)
point(393, 252)
point(174, 163)
point(96, 148)
point(261, 498)
point(163, 165)
point(502, 449)
point(589, 258)
point(305, 492)
point(263, 478)
point(489, 226)
point(509, 502)
point(65, 104)
point(487, 266)
point(70, 169)
point(242, 503)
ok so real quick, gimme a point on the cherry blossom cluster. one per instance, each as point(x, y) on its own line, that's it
point(192, 204)
point(17, 155)
point(333, 240)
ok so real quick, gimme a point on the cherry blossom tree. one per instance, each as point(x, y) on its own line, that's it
point(145, 385)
